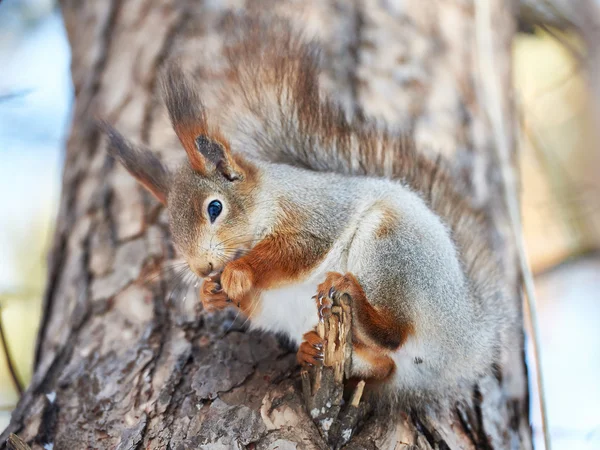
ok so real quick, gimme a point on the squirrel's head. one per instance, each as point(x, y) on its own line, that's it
point(209, 198)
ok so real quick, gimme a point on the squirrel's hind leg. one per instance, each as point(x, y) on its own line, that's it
point(371, 325)
point(376, 333)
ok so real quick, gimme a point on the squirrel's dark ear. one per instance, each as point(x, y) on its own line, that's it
point(141, 163)
point(218, 156)
point(206, 148)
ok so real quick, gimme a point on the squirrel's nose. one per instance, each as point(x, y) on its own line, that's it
point(203, 269)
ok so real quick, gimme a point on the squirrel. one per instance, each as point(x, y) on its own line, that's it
point(284, 203)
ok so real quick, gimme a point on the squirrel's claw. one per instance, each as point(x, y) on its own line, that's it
point(325, 310)
point(329, 292)
point(332, 292)
point(324, 305)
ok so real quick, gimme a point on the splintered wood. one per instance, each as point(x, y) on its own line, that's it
point(323, 385)
point(16, 443)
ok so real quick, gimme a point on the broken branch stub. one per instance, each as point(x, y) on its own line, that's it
point(323, 385)
point(16, 443)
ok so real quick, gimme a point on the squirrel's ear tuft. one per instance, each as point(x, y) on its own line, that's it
point(186, 113)
point(141, 163)
point(206, 148)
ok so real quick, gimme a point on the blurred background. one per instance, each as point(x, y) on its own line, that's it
point(561, 204)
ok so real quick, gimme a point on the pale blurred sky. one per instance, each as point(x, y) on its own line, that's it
point(34, 65)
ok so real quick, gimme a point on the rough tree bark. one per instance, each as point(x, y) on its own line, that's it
point(117, 365)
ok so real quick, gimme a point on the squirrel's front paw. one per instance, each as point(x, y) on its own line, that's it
point(237, 280)
point(213, 296)
point(311, 350)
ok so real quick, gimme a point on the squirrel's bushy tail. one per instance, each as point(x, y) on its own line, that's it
point(271, 107)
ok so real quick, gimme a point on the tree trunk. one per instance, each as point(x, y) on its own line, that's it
point(118, 366)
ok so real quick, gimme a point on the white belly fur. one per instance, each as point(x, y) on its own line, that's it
point(291, 310)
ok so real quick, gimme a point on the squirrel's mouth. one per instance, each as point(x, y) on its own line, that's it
point(217, 269)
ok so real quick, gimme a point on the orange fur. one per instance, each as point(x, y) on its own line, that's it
point(187, 134)
point(237, 279)
point(311, 349)
point(381, 365)
point(374, 326)
point(215, 298)
point(388, 224)
point(277, 260)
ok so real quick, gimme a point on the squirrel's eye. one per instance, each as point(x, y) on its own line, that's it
point(214, 209)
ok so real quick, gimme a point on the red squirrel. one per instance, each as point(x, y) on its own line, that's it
point(284, 203)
